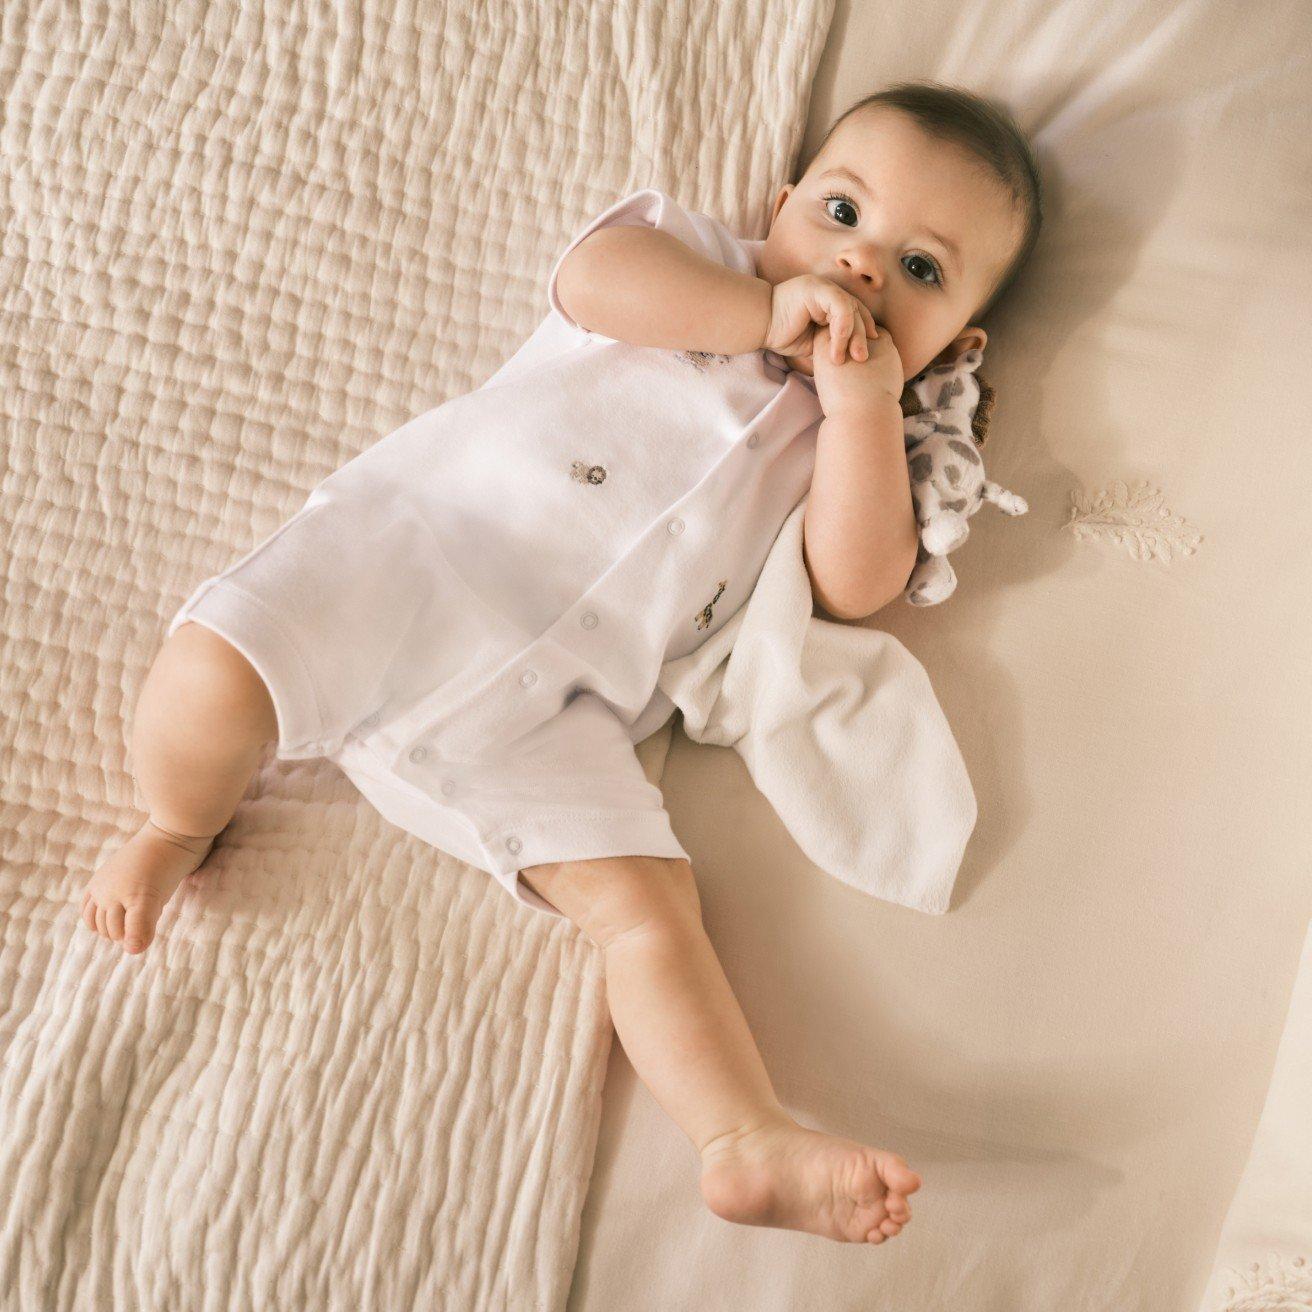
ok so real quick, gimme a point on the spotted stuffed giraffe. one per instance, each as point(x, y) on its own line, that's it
point(945, 413)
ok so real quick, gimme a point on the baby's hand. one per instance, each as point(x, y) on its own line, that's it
point(797, 305)
point(858, 386)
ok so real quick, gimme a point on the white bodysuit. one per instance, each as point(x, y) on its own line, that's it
point(469, 618)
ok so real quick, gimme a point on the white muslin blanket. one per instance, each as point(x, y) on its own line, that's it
point(841, 731)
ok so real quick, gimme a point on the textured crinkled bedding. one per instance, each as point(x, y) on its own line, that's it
point(237, 248)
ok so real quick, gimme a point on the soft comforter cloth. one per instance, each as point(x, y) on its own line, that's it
point(840, 730)
point(237, 247)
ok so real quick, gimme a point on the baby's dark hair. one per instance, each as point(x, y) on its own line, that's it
point(987, 130)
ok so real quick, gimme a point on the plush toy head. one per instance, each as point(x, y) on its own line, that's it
point(945, 416)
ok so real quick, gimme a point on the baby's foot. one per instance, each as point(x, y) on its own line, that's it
point(782, 1174)
point(126, 895)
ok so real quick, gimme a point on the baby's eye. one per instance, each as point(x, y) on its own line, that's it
point(846, 201)
point(933, 268)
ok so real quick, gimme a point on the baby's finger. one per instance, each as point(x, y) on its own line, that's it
point(857, 344)
point(863, 328)
point(869, 329)
point(837, 337)
point(848, 319)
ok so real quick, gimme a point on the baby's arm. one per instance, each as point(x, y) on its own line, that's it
point(860, 535)
point(644, 286)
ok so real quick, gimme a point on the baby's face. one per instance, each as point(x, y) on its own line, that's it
point(874, 238)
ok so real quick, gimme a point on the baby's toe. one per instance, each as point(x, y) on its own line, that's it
point(114, 920)
point(886, 1229)
point(89, 913)
point(102, 927)
point(899, 1177)
point(138, 929)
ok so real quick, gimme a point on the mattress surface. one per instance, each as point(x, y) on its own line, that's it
point(1075, 1057)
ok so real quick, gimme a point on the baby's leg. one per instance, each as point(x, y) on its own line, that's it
point(202, 723)
point(687, 1038)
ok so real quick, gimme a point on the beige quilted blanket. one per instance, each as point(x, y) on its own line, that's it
point(237, 247)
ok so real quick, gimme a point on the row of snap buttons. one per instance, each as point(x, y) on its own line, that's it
point(529, 677)
point(418, 754)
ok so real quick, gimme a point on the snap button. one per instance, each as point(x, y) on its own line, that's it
point(514, 844)
point(418, 753)
point(370, 719)
point(588, 620)
point(528, 678)
point(448, 786)
point(675, 526)
point(753, 440)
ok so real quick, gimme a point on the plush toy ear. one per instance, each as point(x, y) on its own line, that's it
point(979, 424)
point(909, 401)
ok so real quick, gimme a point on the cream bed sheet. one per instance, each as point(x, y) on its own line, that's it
point(1077, 1054)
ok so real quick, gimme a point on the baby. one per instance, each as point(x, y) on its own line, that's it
point(918, 210)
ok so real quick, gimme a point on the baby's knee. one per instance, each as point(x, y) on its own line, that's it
point(201, 670)
point(613, 896)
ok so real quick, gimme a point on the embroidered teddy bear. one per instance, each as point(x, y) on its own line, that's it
point(582, 472)
point(945, 413)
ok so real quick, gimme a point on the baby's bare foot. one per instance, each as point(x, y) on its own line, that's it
point(782, 1174)
point(126, 895)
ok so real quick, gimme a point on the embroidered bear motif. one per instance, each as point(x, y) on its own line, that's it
point(699, 359)
point(703, 617)
point(586, 473)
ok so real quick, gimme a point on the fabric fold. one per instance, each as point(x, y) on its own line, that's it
point(840, 729)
